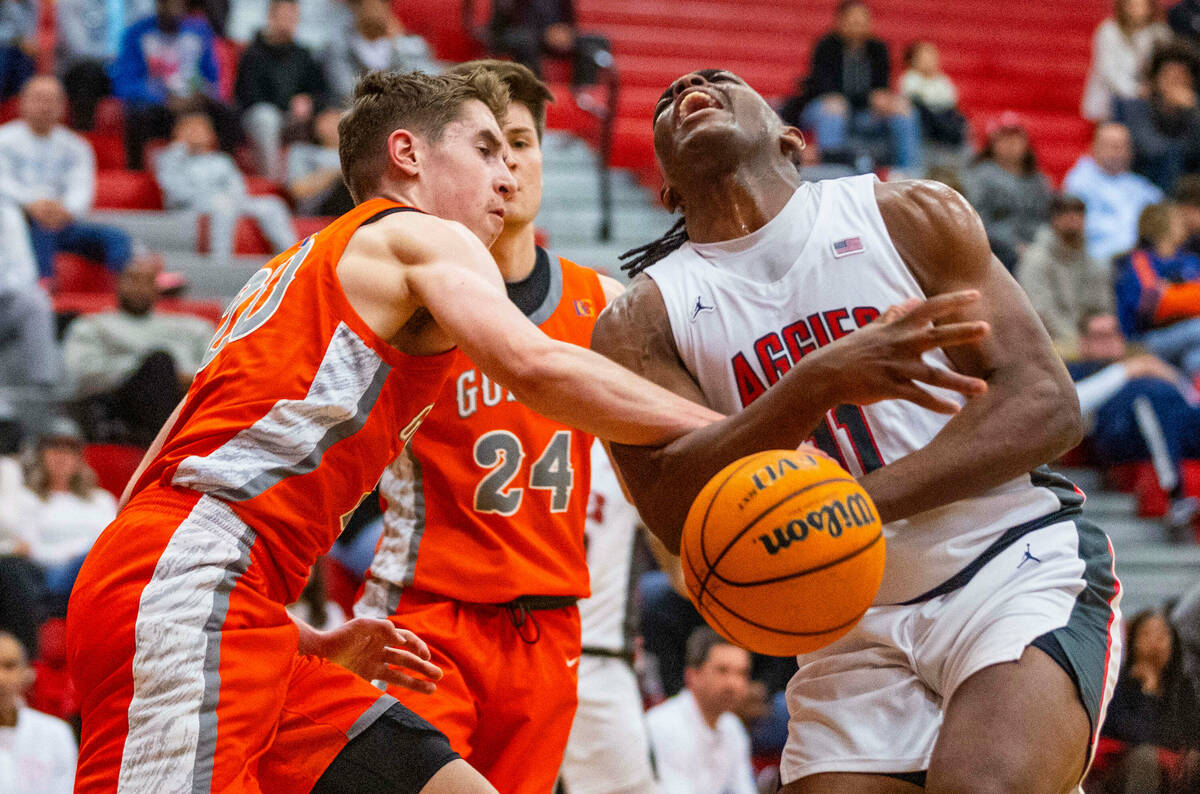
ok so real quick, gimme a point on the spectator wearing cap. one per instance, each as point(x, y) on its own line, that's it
point(1114, 195)
point(1165, 125)
point(1158, 290)
point(697, 742)
point(131, 366)
point(166, 67)
point(279, 86)
point(1121, 48)
point(851, 96)
point(1063, 283)
point(63, 507)
point(1137, 408)
point(18, 26)
point(50, 172)
point(1008, 191)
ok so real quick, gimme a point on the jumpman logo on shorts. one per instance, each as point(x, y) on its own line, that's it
point(1028, 556)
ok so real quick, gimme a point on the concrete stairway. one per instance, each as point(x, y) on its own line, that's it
point(571, 206)
point(1151, 569)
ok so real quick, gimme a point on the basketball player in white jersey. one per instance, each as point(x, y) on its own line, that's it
point(608, 751)
point(987, 662)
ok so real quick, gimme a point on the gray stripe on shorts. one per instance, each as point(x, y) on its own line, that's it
point(1085, 638)
point(206, 743)
point(368, 717)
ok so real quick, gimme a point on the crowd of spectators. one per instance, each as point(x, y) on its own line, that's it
point(1111, 263)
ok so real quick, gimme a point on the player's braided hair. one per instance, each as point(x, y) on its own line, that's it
point(646, 255)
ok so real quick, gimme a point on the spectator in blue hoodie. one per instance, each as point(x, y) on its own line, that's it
point(166, 67)
point(1158, 290)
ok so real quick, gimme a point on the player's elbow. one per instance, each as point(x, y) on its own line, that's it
point(1057, 418)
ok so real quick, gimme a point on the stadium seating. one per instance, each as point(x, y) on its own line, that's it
point(1029, 58)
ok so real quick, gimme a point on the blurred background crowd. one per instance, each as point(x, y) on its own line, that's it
point(153, 153)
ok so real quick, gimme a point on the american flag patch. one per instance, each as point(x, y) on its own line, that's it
point(584, 308)
point(851, 245)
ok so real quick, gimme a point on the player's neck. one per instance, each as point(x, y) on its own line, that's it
point(8, 714)
point(515, 252)
point(736, 204)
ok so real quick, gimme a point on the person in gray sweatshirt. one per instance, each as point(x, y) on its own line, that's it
point(195, 176)
point(1063, 282)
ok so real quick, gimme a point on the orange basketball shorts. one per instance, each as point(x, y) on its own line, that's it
point(508, 695)
point(186, 661)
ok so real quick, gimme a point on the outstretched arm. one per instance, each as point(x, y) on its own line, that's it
point(562, 381)
point(1030, 413)
point(874, 363)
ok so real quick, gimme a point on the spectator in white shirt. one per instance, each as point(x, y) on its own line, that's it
point(131, 366)
point(65, 510)
point(37, 751)
point(700, 747)
point(50, 172)
point(1121, 47)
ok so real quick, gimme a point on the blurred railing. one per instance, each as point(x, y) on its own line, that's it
point(598, 98)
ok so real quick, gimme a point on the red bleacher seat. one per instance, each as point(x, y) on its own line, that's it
point(109, 149)
point(1140, 480)
point(110, 117)
point(228, 54)
point(247, 238)
point(127, 190)
point(52, 691)
point(75, 303)
point(76, 274)
point(114, 464)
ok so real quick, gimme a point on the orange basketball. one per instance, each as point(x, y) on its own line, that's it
point(783, 552)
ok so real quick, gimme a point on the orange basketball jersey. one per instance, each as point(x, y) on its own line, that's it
point(299, 406)
point(488, 501)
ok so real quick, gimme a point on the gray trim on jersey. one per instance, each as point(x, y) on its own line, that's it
point(293, 436)
point(403, 487)
point(172, 738)
point(553, 295)
point(368, 717)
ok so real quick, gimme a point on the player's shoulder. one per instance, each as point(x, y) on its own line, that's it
point(413, 237)
point(930, 211)
point(638, 305)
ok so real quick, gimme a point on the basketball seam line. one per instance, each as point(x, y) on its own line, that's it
point(713, 565)
point(821, 567)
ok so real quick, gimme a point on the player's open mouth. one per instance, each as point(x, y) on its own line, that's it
point(694, 101)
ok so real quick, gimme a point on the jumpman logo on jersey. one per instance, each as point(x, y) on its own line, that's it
point(700, 307)
point(1028, 556)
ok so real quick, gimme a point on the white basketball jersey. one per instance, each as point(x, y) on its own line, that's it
point(745, 311)
point(611, 529)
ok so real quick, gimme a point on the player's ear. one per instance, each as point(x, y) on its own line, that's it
point(403, 152)
point(669, 198)
point(791, 143)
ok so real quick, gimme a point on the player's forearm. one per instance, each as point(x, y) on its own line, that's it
point(997, 437)
point(664, 481)
point(605, 399)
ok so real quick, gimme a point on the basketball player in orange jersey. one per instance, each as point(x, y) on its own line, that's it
point(483, 554)
point(191, 674)
point(989, 656)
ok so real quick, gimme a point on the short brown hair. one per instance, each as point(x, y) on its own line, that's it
point(523, 86)
point(1154, 223)
point(421, 103)
point(1187, 190)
